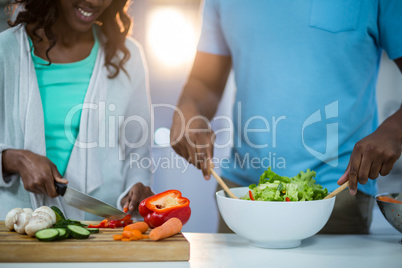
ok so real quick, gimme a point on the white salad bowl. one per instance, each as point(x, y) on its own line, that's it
point(272, 224)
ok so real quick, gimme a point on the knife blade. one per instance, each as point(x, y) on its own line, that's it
point(88, 203)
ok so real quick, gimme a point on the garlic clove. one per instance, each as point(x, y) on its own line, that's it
point(43, 215)
point(49, 211)
point(10, 217)
point(22, 221)
point(29, 210)
point(36, 225)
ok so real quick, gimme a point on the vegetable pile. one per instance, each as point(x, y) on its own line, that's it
point(27, 221)
point(46, 224)
point(64, 228)
point(136, 231)
point(273, 187)
point(159, 208)
point(132, 232)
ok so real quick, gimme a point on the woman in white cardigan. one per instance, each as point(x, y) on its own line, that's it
point(74, 106)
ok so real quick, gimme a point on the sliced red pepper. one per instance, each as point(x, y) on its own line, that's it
point(157, 209)
point(104, 223)
point(251, 195)
point(94, 226)
point(287, 199)
point(112, 224)
point(126, 220)
point(120, 223)
point(125, 209)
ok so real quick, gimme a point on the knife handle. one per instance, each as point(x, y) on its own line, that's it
point(60, 188)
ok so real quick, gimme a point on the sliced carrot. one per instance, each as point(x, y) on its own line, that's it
point(169, 228)
point(133, 232)
point(126, 234)
point(389, 199)
point(141, 226)
point(117, 237)
point(136, 233)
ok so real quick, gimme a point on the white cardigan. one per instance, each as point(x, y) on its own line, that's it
point(111, 107)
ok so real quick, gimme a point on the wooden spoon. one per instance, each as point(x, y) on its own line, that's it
point(338, 190)
point(221, 182)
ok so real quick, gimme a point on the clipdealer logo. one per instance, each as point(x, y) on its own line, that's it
point(330, 156)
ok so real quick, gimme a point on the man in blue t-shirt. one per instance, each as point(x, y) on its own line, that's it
point(305, 75)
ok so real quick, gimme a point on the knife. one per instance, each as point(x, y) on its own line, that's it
point(88, 203)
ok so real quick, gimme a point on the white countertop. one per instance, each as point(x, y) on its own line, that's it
point(379, 249)
point(230, 250)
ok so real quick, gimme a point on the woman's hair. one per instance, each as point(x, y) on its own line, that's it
point(114, 24)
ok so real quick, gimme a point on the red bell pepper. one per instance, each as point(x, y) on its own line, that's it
point(159, 208)
point(251, 195)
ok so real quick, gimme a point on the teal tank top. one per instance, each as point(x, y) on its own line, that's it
point(62, 87)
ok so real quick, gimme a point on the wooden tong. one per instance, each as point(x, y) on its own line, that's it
point(220, 181)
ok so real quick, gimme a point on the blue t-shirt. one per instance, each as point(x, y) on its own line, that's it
point(306, 73)
point(62, 88)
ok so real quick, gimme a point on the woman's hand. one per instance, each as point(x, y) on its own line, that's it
point(136, 194)
point(37, 172)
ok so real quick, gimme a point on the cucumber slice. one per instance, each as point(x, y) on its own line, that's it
point(74, 222)
point(65, 223)
point(48, 234)
point(93, 230)
point(78, 231)
point(63, 233)
point(59, 214)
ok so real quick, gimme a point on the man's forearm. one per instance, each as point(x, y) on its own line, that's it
point(394, 123)
point(198, 100)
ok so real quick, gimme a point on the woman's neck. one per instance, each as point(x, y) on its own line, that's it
point(69, 36)
point(71, 46)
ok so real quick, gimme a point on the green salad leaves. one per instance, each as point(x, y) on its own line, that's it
point(273, 187)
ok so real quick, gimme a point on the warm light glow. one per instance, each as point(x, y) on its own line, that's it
point(171, 36)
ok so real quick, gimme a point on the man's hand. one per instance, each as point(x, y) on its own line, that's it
point(133, 198)
point(194, 142)
point(375, 154)
point(37, 172)
point(191, 135)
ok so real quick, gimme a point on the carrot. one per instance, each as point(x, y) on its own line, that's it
point(133, 232)
point(141, 226)
point(126, 234)
point(144, 236)
point(136, 233)
point(389, 199)
point(169, 228)
point(117, 237)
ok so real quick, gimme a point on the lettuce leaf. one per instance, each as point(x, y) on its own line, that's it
point(273, 187)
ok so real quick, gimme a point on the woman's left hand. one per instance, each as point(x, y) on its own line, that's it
point(136, 194)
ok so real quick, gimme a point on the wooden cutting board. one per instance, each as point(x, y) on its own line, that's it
point(99, 247)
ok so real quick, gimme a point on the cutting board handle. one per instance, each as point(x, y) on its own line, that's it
point(60, 188)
